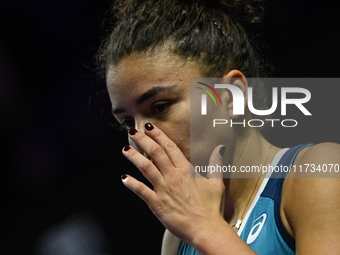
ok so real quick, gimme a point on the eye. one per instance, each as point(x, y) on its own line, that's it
point(160, 107)
point(128, 123)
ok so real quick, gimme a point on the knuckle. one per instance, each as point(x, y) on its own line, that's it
point(147, 167)
point(176, 178)
point(170, 146)
point(155, 151)
point(139, 189)
point(157, 208)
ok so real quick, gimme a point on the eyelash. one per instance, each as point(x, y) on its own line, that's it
point(130, 123)
point(163, 104)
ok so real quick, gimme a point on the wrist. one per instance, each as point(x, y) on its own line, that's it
point(209, 235)
point(219, 238)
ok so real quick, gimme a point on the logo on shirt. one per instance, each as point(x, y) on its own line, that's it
point(256, 229)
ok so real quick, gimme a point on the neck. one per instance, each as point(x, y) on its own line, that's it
point(251, 150)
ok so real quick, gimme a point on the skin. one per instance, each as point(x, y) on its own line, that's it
point(190, 208)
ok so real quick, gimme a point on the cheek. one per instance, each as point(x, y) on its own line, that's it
point(204, 137)
point(194, 135)
point(182, 137)
point(178, 129)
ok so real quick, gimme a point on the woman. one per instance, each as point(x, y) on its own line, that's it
point(149, 58)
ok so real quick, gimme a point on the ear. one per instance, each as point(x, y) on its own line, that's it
point(236, 78)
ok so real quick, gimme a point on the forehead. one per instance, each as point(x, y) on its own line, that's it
point(139, 66)
point(141, 71)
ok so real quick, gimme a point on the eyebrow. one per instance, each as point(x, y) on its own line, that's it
point(147, 95)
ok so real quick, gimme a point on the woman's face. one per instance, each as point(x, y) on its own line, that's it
point(155, 88)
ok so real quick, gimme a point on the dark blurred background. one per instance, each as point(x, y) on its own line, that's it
point(60, 161)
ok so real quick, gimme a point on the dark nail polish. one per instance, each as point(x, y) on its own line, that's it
point(124, 176)
point(127, 147)
point(222, 151)
point(132, 131)
point(148, 126)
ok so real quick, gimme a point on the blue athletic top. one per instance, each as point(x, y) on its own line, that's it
point(263, 229)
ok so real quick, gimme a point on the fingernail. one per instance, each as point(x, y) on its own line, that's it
point(222, 151)
point(148, 126)
point(132, 131)
point(127, 147)
point(124, 176)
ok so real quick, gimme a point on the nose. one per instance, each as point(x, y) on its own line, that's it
point(139, 125)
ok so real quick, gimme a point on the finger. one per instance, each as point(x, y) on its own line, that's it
point(154, 151)
point(147, 168)
point(216, 163)
point(174, 153)
point(140, 189)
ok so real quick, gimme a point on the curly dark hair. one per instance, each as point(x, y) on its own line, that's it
point(209, 32)
point(205, 31)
